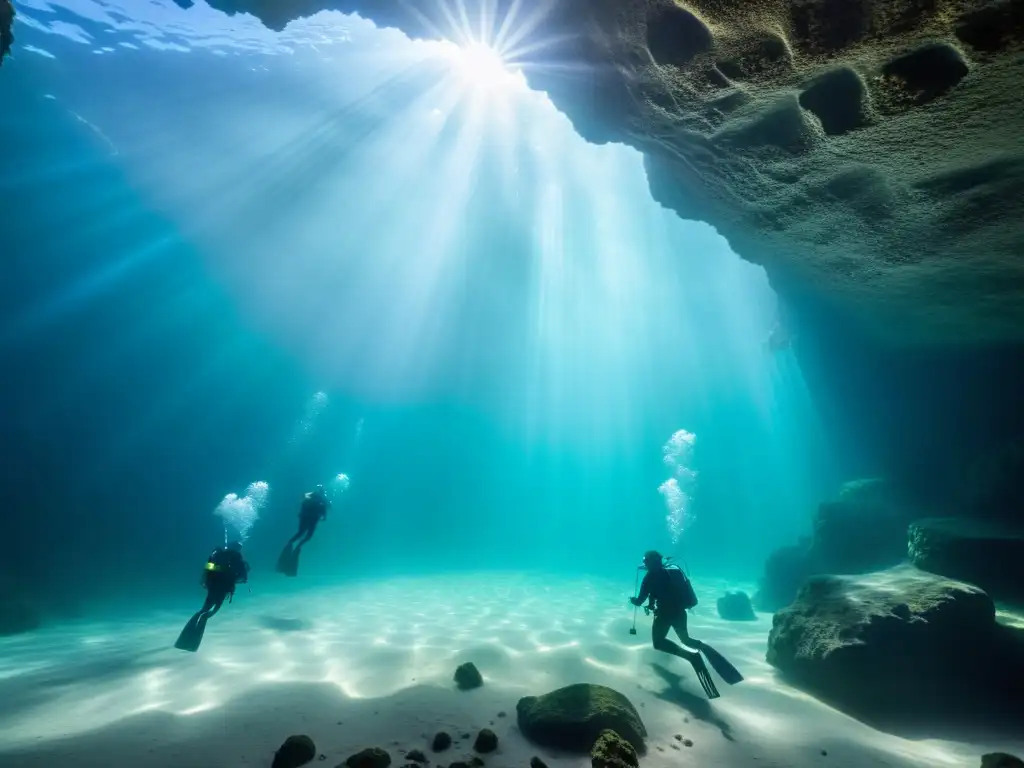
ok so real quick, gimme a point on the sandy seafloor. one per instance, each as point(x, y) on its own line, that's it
point(371, 665)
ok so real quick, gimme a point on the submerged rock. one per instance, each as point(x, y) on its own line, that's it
point(983, 553)
point(467, 677)
point(296, 751)
point(573, 717)
point(735, 606)
point(536, 762)
point(864, 528)
point(369, 758)
point(612, 751)
point(416, 756)
point(486, 741)
point(1001, 760)
point(785, 571)
point(6, 28)
point(896, 643)
point(442, 741)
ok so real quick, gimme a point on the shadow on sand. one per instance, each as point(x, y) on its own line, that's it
point(698, 706)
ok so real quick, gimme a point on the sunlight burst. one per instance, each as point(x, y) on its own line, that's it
point(481, 66)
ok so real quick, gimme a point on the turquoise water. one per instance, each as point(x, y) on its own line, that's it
point(235, 256)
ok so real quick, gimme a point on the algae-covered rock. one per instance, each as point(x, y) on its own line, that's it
point(369, 758)
point(296, 751)
point(467, 677)
point(612, 751)
point(895, 642)
point(735, 606)
point(572, 718)
point(988, 554)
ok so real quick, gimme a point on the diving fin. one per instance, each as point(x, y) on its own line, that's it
point(725, 670)
point(704, 678)
point(288, 562)
point(192, 635)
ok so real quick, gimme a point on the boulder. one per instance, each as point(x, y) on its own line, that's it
point(536, 762)
point(369, 758)
point(467, 677)
point(988, 554)
point(442, 741)
point(416, 756)
point(572, 718)
point(1001, 760)
point(296, 751)
point(864, 528)
point(735, 606)
point(486, 741)
point(785, 571)
point(612, 751)
point(900, 643)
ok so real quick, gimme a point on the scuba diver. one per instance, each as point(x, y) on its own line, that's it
point(314, 509)
point(225, 569)
point(671, 594)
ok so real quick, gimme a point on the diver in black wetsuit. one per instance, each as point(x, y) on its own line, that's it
point(314, 509)
point(225, 569)
point(671, 595)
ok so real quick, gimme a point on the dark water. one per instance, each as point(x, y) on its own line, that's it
point(505, 329)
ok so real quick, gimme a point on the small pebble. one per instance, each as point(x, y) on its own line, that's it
point(824, 753)
point(687, 743)
point(502, 714)
point(679, 737)
point(674, 746)
point(686, 719)
point(661, 749)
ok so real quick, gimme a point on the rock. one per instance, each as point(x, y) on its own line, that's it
point(988, 554)
point(296, 751)
point(442, 741)
point(573, 717)
point(16, 614)
point(369, 758)
point(486, 741)
point(735, 606)
point(1001, 760)
point(6, 28)
point(416, 756)
point(612, 751)
point(884, 644)
point(476, 761)
point(825, 170)
point(864, 528)
point(536, 762)
point(785, 571)
point(687, 743)
point(467, 677)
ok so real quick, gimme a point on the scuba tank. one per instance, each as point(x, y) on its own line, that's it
point(683, 585)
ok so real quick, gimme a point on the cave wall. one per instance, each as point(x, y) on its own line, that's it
point(867, 153)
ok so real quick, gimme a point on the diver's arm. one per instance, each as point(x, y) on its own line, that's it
point(645, 592)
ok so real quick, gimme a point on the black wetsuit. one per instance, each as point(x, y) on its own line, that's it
point(313, 510)
point(225, 569)
point(670, 597)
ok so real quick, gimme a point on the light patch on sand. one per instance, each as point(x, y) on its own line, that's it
point(379, 645)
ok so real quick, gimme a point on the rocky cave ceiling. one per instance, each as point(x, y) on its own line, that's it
point(870, 152)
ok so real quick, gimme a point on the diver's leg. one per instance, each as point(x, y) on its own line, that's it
point(659, 636)
point(297, 536)
point(694, 657)
point(309, 528)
